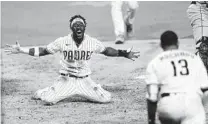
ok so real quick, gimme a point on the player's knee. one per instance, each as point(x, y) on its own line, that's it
point(107, 98)
point(37, 95)
point(49, 101)
point(116, 5)
point(49, 98)
point(133, 5)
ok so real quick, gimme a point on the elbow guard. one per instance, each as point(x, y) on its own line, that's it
point(34, 51)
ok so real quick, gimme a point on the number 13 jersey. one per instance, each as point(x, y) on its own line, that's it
point(177, 71)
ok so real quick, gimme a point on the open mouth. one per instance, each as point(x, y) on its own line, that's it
point(79, 33)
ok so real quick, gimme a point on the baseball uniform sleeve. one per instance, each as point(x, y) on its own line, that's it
point(151, 77)
point(99, 47)
point(54, 46)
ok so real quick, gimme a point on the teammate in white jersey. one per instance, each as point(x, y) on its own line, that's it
point(76, 51)
point(198, 15)
point(123, 26)
point(176, 80)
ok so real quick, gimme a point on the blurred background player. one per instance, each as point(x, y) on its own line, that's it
point(198, 15)
point(176, 80)
point(76, 51)
point(123, 22)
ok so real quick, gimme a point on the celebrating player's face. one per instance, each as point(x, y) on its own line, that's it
point(78, 29)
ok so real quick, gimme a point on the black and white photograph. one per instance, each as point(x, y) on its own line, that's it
point(104, 62)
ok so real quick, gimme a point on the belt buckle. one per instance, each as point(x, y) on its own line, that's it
point(165, 94)
point(77, 76)
point(64, 74)
point(83, 76)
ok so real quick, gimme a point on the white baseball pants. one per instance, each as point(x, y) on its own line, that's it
point(198, 16)
point(117, 15)
point(66, 87)
point(181, 108)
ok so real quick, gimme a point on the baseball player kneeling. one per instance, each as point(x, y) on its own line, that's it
point(176, 80)
point(76, 51)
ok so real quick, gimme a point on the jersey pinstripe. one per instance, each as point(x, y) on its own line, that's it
point(72, 86)
point(75, 59)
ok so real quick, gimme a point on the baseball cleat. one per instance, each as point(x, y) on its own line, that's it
point(119, 42)
point(120, 39)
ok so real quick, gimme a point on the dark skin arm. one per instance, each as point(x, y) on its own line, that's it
point(109, 51)
point(15, 49)
point(42, 51)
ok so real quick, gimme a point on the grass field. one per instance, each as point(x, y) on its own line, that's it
point(39, 23)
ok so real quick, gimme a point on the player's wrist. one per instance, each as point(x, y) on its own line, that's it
point(123, 53)
point(24, 50)
point(21, 50)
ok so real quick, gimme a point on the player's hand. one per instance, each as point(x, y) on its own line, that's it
point(132, 55)
point(13, 49)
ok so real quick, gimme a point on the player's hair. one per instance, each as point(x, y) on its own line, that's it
point(168, 38)
point(77, 16)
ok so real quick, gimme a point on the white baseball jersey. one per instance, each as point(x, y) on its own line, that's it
point(177, 71)
point(75, 60)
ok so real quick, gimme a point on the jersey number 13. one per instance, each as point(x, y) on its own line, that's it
point(180, 67)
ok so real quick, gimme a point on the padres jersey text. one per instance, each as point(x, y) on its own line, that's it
point(75, 59)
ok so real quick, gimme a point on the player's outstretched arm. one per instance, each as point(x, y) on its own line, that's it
point(109, 51)
point(35, 51)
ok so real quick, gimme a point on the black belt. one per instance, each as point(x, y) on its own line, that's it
point(165, 94)
point(74, 75)
point(168, 94)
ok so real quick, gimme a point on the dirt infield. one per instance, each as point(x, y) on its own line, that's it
point(38, 23)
